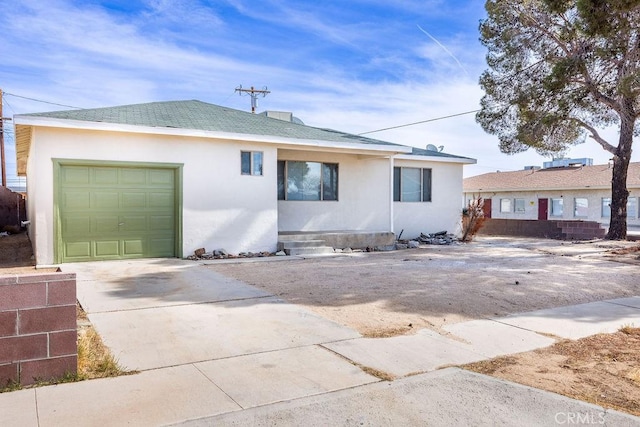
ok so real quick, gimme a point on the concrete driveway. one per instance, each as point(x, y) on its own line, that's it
point(215, 351)
point(165, 312)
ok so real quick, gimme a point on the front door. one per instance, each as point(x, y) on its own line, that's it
point(543, 209)
point(486, 208)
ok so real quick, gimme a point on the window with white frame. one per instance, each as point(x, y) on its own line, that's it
point(251, 163)
point(632, 207)
point(505, 205)
point(606, 207)
point(580, 207)
point(557, 207)
point(307, 180)
point(411, 184)
point(519, 205)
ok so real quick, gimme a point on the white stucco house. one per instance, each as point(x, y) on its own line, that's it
point(573, 192)
point(165, 178)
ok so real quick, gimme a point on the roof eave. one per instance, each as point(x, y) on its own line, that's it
point(31, 121)
point(441, 159)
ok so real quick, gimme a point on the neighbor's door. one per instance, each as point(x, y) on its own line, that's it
point(487, 208)
point(543, 209)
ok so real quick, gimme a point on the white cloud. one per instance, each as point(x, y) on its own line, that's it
point(353, 71)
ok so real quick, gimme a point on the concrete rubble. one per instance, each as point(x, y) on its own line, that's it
point(201, 254)
point(439, 238)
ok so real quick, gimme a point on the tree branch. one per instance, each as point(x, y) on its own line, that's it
point(595, 135)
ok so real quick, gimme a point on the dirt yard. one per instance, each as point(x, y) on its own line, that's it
point(391, 293)
point(602, 369)
point(15, 253)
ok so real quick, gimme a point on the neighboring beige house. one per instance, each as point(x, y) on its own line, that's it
point(575, 192)
point(163, 179)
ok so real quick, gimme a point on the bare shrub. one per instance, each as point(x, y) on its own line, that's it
point(472, 218)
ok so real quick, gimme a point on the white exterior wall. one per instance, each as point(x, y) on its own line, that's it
point(593, 196)
point(363, 196)
point(443, 213)
point(221, 207)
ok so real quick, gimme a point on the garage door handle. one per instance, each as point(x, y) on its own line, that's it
point(121, 224)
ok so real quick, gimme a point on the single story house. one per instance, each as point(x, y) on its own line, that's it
point(573, 192)
point(163, 179)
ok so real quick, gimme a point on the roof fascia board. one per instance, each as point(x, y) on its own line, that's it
point(465, 160)
point(115, 127)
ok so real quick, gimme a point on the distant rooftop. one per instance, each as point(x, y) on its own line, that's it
point(561, 178)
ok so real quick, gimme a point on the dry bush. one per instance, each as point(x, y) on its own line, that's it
point(472, 218)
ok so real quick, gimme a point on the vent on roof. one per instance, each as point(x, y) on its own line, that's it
point(282, 115)
point(563, 163)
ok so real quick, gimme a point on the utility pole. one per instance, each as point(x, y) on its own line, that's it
point(254, 93)
point(2, 160)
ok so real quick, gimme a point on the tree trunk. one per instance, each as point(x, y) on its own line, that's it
point(619, 192)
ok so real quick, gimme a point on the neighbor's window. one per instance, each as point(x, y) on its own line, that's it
point(632, 208)
point(606, 207)
point(251, 162)
point(519, 205)
point(411, 184)
point(557, 207)
point(505, 205)
point(581, 207)
point(307, 180)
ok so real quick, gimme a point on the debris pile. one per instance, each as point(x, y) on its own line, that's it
point(202, 254)
point(439, 238)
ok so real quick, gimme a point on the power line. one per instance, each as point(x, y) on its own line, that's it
point(420, 122)
point(40, 100)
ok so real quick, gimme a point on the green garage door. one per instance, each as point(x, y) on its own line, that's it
point(116, 212)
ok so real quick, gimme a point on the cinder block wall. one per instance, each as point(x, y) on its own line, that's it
point(38, 338)
point(551, 229)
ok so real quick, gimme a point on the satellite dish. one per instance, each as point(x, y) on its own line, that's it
point(431, 147)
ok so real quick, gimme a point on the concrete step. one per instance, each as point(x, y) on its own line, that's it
point(315, 250)
point(291, 244)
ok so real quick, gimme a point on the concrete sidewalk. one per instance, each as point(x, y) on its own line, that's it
point(216, 351)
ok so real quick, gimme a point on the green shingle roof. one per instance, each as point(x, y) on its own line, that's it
point(198, 115)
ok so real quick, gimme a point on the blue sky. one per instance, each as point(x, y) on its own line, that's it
point(355, 66)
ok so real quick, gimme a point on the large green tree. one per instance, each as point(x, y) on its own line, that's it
point(559, 71)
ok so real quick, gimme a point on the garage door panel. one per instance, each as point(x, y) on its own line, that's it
point(133, 247)
point(160, 200)
point(137, 200)
point(77, 175)
point(133, 176)
point(132, 223)
point(76, 225)
point(161, 223)
point(162, 178)
point(106, 225)
point(75, 250)
point(105, 200)
point(161, 247)
point(107, 248)
point(116, 212)
point(76, 200)
point(105, 176)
